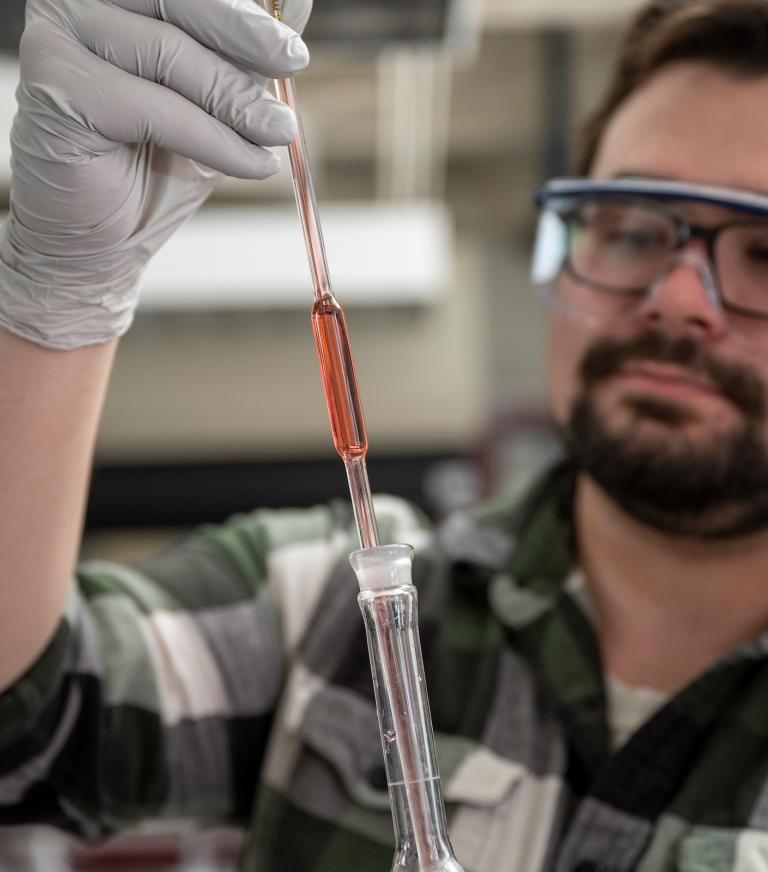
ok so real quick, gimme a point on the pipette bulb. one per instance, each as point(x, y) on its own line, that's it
point(339, 379)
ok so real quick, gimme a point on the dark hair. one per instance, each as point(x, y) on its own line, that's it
point(732, 34)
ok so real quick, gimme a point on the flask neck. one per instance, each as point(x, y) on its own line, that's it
point(389, 605)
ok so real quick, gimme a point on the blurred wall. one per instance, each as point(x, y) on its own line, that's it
point(248, 385)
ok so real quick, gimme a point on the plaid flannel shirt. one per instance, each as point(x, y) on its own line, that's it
point(227, 679)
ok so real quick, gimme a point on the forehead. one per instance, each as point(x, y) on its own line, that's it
point(693, 122)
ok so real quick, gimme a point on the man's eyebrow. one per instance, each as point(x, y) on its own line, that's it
point(660, 177)
point(642, 174)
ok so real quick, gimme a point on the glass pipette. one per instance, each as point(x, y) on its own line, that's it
point(331, 337)
point(386, 595)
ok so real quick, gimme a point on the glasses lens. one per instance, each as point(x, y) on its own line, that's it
point(596, 255)
point(742, 264)
point(618, 245)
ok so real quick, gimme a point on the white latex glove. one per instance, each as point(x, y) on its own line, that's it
point(129, 111)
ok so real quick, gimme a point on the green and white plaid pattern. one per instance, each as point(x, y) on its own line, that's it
point(227, 679)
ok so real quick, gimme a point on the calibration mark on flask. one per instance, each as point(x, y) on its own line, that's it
point(339, 379)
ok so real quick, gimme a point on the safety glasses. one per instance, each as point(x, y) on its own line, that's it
point(603, 247)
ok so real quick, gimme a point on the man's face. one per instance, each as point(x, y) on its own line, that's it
point(665, 405)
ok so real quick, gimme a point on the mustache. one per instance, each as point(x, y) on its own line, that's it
point(737, 382)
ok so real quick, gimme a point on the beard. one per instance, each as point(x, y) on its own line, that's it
point(710, 489)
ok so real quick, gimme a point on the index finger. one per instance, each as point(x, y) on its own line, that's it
point(241, 30)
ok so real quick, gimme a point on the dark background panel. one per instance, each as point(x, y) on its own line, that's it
point(378, 20)
point(11, 23)
point(182, 495)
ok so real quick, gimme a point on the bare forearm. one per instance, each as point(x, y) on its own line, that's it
point(50, 402)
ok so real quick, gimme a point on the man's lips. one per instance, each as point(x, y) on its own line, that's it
point(668, 379)
point(652, 367)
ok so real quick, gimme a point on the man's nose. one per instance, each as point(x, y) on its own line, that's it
point(684, 299)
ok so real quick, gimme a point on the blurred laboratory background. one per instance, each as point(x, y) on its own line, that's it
point(430, 123)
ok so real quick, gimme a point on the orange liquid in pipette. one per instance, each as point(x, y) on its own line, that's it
point(339, 379)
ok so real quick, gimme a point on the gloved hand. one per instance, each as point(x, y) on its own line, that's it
point(129, 111)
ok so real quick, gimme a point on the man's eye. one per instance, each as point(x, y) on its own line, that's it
point(757, 254)
point(639, 240)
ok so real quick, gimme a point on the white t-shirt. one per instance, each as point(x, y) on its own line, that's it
point(629, 707)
